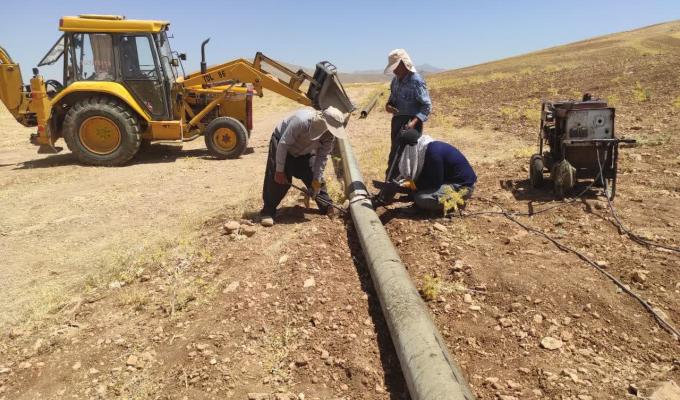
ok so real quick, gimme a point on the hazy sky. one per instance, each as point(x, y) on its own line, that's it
point(354, 35)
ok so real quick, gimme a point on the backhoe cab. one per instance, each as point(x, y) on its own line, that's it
point(120, 86)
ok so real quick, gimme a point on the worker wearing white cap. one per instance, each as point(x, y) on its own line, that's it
point(409, 101)
point(299, 147)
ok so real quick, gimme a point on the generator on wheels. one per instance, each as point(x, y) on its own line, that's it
point(577, 141)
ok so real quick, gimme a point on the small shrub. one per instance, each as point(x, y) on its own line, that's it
point(551, 68)
point(532, 114)
point(452, 199)
point(136, 298)
point(509, 112)
point(613, 100)
point(676, 103)
point(641, 93)
point(524, 152)
point(431, 288)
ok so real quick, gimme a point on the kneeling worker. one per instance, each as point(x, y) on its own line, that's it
point(433, 168)
point(299, 147)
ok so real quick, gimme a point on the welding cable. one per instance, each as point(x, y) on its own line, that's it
point(659, 319)
point(568, 202)
point(634, 237)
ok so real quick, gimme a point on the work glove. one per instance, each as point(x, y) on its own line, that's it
point(408, 184)
point(316, 187)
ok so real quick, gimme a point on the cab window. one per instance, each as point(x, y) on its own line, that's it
point(140, 72)
point(54, 54)
point(92, 58)
point(137, 58)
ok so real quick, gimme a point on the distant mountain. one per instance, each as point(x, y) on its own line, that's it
point(374, 75)
point(429, 69)
point(422, 69)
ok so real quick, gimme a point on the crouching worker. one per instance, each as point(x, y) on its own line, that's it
point(299, 148)
point(439, 173)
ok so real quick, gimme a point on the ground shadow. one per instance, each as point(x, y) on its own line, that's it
point(152, 154)
point(57, 160)
point(407, 212)
point(522, 190)
point(293, 215)
point(394, 379)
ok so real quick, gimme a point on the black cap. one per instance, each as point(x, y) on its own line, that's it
point(409, 137)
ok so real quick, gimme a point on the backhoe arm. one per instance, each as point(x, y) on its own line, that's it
point(29, 106)
point(243, 71)
point(12, 88)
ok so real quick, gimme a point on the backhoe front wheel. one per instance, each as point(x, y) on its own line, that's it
point(102, 131)
point(226, 137)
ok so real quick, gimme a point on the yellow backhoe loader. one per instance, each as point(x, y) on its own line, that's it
point(121, 87)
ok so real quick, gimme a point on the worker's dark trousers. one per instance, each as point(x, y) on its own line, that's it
point(298, 167)
point(398, 122)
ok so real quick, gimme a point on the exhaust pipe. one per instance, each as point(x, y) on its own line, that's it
point(430, 372)
point(204, 67)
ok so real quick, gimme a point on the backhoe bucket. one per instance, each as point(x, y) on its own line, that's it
point(325, 90)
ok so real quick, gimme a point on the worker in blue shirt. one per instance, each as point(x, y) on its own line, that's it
point(409, 101)
point(430, 167)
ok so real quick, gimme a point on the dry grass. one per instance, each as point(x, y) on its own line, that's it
point(614, 100)
point(524, 152)
point(641, 94)
point(676, 103)
point(278, 348)
point(121, 267)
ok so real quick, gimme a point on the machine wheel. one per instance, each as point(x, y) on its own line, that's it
point(226, 137)
point(102, 131)
point(563, 181)
point(536, 171)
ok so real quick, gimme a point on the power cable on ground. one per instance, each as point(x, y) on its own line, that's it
point(633, 236)
point(648, 307)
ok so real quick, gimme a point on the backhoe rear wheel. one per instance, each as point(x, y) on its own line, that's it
point(226, 137)
point(102, 131)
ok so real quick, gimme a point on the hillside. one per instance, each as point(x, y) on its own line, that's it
point(637, 71)
point(502, 287)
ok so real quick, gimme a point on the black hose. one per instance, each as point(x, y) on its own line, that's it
point(659, 319)
point(634, 237)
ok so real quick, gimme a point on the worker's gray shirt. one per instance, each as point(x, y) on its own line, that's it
point(296, 140)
